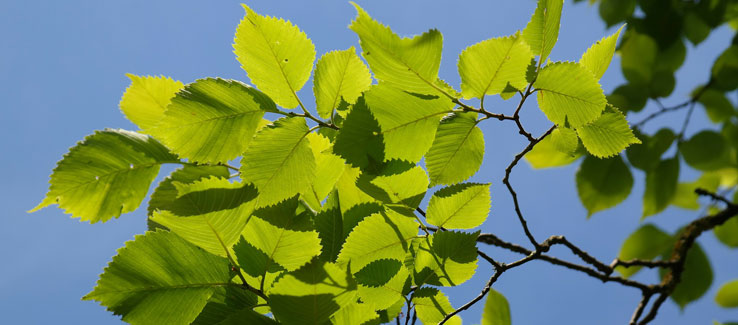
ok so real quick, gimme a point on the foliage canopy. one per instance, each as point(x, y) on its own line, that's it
point(321, 221)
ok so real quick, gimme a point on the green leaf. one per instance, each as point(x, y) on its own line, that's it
point(210, 213)
point(461, 206)
point(106, 175)
point(717, 106)
point(279, 161)
point(339, 75)
point(432, 306)
point(727, 233)
point(615, 11)
point(638, 54)
point(311, 294)
point(355, 314)
point(406, 63)
point(399, 183)
point(446, 258)
point(686, 198)
point(706, 150)
point(725, 69)
point(277, 56)
point(286, 238)
point(603, 183)
point(383, 282)
point(360, 141)
point(491, 66)
point(696, 277)
point(695, 29)
point(608, 135)
point(381, 235)
point(225, 304)
point(165, 193)
point(661, 184)
point(629, 97)
point(546, 154)
point(496, 309)
point(146, 99)
point(565, 140)
point(329, 225)
point(457, 151)
point(405, 118)
point(159, 278)
point(569, 94)
point(647, 155)
point(646, 243)
point(212, 120)
point(727, 295)
point(542, 31)
point(598, 56)
point(256, 266)
point(329, 168)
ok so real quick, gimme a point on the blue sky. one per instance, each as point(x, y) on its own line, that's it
point(62, 72)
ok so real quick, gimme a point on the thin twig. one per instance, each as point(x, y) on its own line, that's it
point(641, 306)
point(506, 181)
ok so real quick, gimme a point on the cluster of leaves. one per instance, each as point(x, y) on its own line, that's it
point(318, 222)
point(654, 47)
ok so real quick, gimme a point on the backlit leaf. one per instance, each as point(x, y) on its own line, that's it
point(405, 118)
point(277, 56)
point(311, 294)
point(598, 56)
point(457, 151)
point(159, 278)
point(212, 120)
point(446, 258)
point(491, 66)
point(608, 135)
point(727, 296)
point(339, 75)
point(569, 94)
point(432, 306)
point(279, 161)
point(106, 175)
point(542, 31)
point(462, 206)
point(646, 243)
point(496, 309)
point(146, 99)
point(407, 63)
point(363, 245)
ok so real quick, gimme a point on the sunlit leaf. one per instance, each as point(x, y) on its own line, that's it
point(496, 309)
point(457, 151)
point(542, 31)
point(106, 175)
point(279, 161)
point(160, 278)
point(569, 94)
point(491, 66)
point(277, 56)
point(146, 99)
point(212, 120)
point(462, 206)
point(339, 75)
point(432, 306)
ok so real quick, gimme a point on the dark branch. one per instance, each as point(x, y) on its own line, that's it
point(510, 189)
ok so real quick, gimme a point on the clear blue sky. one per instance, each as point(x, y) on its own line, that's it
point(62, 67)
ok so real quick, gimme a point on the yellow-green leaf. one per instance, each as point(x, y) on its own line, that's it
point(494, 65)
point(598, 56)
point(339, 75)
point(212, 120)
point(146, 99)
point(569, 95)
point(277, 56)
